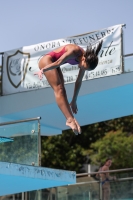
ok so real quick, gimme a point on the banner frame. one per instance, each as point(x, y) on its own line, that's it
point(122, 50)
point(2, 53)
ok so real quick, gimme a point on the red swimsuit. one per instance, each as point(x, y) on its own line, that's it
point(56, 55)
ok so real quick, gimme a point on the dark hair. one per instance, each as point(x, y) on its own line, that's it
point(103, 163)
point(109, 158)
point(91, 55)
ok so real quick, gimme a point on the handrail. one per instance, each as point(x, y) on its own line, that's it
point(19, 121)
point(131, 54)
point(120, 179)
point(102, 172)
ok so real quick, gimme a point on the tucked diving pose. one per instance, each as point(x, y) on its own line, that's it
point(49, 65)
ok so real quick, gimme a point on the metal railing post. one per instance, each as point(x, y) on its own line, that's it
point(26, 196)
point(39, 194)
point(2, 54)
point(50, 194)
point(100, 189)
point(39, 144)
point(56, 193)
point(122, 50)
point(22, 195)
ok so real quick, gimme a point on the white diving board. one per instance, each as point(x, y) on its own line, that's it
point(16, 178)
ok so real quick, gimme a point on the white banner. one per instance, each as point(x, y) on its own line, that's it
point(21, 64)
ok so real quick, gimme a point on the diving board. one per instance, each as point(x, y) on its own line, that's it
point(16, 178)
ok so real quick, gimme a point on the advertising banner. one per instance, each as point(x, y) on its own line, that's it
point(20, 64)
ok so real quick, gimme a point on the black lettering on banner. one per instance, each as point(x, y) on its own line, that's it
point(75, 67)
point(97, 36)
point(104, 72)
point(34, 85)
point(64, 41)
point(48, 46)
point(91, 75)
point(29, 86)
point(36, 48)
point(39, 85)
point(119, 69)
point(108, 31)
point(70, 41)
point(105, 62)
point(76, 76)
point(63, 69)
point(45, 83)
point(108, 50)
point(74, 40)
point(112, 30)
point(103, 34)
point(81, 40)
point(58, 44)
point(86, 76)
point(113, 71)
point(92, 38)
point(109, 61)
point(70, 68)
point(85, 39)
point(112, 51)
point(69, 78)
point(98, 73)
point(53, 44)
point(102, 51)
point(116, 69)
point(42, 47)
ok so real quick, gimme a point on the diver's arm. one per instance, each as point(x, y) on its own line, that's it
point(77, 87)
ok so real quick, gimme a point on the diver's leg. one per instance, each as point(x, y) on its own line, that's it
point(54, 80)
point(68, 122)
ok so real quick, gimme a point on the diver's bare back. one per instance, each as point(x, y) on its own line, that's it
point(68, 47)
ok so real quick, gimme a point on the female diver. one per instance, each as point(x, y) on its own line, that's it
point(49, 64)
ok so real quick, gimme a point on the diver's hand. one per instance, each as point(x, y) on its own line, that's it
point(73, 106)
point(39, 73)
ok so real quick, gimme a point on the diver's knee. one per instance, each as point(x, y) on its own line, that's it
point(60, 90)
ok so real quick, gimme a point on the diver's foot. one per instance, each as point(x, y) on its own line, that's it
point(79, 129)
point(73, 124)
